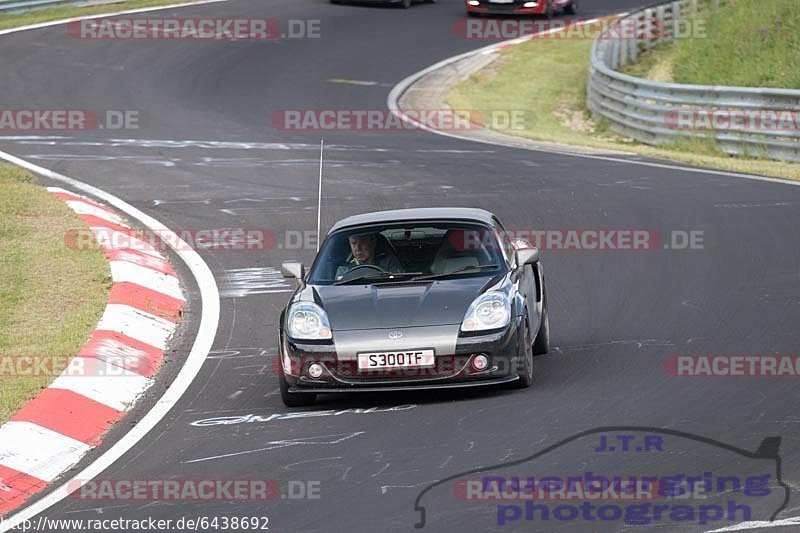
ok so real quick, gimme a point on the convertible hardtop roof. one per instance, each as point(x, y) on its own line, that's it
point(424, 213)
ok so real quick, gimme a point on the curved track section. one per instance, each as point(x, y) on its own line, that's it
point(209, 158)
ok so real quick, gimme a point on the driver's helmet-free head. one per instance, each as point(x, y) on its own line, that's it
point(381, 245)
point(361, 239)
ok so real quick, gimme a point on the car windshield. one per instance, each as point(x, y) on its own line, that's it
point(407, 252)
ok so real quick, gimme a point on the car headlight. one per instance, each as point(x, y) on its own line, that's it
point(308, 321)
point(491, 310)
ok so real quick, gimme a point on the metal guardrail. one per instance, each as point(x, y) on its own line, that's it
point(25, 5)
point(13, 6)
point(647, 110)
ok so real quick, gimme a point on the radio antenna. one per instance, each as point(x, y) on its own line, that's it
point(319, 192)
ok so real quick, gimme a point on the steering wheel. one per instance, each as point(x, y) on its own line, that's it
point(361, 270)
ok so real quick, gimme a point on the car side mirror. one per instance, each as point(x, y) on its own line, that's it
point(527, 256)
point(293, 269)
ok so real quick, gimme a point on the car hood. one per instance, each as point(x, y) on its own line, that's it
point(399, 305)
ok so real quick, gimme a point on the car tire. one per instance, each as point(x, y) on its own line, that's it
point(549, 11)
point(405, 4)
point(541, 345)
point(524, 358)
point(295, 399)
point(572, 9)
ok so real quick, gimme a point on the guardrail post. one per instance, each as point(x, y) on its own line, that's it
point(633, 43)
point(623, 52)
point(676, 20)
point(660, 31)
point(648, 28)
point(614, 55)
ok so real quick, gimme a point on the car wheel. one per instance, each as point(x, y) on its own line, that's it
point(405, 4)
point(525, 358)
point(295, 399)
point(542, 343)
point(572, 8)
point(549, 10)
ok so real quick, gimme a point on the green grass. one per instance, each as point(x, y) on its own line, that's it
point(655, 64)
point(543, 76)
point(51, 297)
point(62, 12)
point(749, 43)
point(549, 78)
point(745, 43)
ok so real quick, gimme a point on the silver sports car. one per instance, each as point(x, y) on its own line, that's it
point(412, 299)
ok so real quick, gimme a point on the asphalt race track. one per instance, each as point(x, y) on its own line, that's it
point(616, 316)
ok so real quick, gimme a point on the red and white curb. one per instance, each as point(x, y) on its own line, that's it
point(52, 432)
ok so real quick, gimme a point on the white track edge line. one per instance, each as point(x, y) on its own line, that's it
point(207, 328)
point(744, 526)
point(393, 103)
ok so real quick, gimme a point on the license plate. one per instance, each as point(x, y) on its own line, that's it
point(404, 359)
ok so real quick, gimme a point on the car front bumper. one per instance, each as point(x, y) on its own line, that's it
point(453, 356)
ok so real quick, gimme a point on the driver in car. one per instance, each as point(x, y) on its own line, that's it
point(364, 251)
